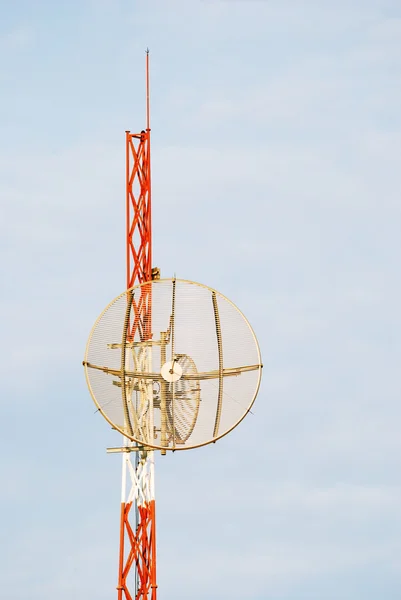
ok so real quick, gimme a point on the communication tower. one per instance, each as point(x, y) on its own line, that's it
point(171, 364)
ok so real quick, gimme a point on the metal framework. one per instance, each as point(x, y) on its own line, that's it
point(137, 558)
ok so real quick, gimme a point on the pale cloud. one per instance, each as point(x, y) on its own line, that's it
point(21, 37)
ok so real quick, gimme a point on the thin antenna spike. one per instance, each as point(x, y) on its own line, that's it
point(147, 91)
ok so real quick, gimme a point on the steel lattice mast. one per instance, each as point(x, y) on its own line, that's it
point(137, 558)
point(185, 380)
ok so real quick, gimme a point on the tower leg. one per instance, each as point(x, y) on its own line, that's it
point(137, 524)
point(137, 560)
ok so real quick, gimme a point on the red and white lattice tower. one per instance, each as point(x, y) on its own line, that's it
point(137, 559)
point(171, 364)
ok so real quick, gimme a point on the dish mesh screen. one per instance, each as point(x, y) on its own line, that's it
point(213, 375)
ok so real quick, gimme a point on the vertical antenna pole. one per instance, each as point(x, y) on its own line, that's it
point(147, 92)
point(137, 557)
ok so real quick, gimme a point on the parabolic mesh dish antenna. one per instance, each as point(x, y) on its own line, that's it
point(173, 364)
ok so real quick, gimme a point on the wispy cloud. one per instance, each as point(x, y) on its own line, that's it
point(20, 37)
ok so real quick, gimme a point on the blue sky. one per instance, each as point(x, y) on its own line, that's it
point(276, 145)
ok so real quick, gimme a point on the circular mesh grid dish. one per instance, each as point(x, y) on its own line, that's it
point(173, 364)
